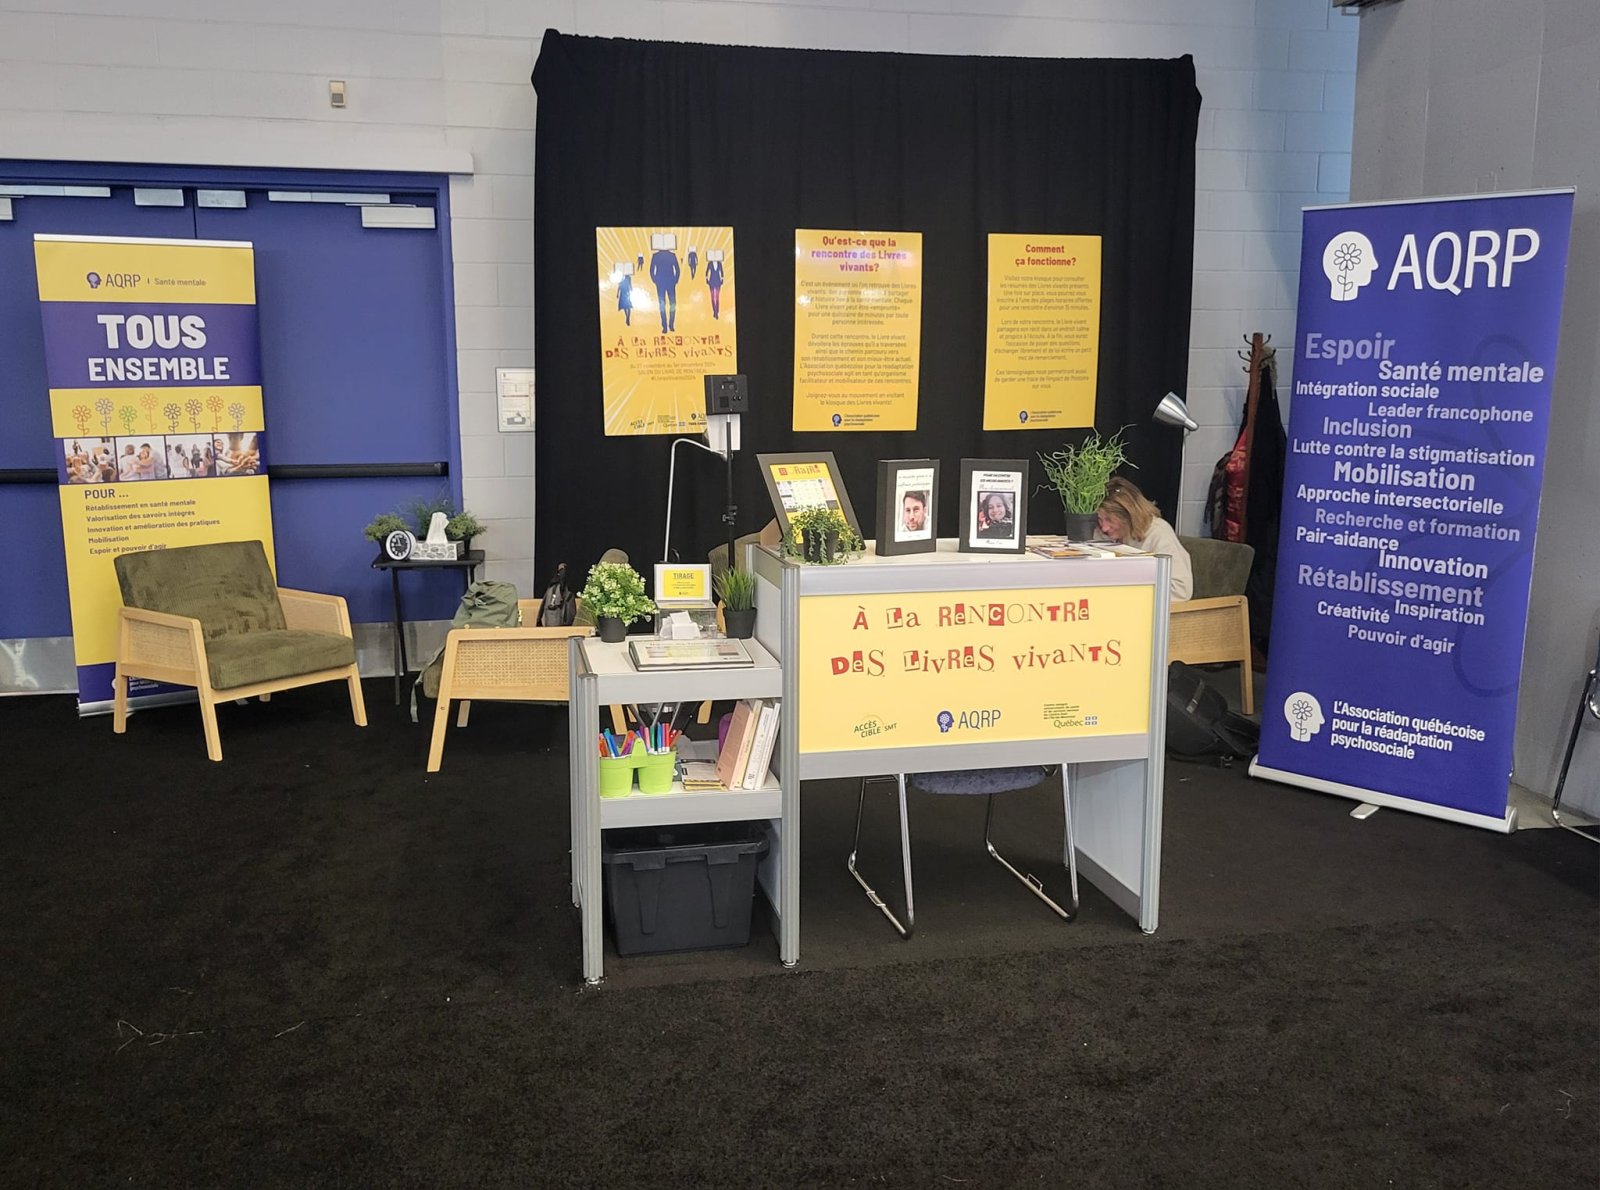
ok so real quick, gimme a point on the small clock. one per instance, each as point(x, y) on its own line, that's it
point(398, 545)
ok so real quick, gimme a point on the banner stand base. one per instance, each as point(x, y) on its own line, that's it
point(1503, 825)
point(172, 697)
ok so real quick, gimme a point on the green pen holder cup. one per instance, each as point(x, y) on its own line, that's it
point(656, 770)
point(616, 775)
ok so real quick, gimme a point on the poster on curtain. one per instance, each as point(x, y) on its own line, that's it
point(668, 319)
point(857, 329)
point(153, 364)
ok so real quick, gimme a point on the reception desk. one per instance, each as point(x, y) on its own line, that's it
point(919, 663)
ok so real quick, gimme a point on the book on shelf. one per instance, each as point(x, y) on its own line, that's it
point(766, 735)
point(735, 755)
point(700, 775)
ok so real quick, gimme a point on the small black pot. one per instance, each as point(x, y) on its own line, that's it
point(1082, 526)
point(820, 546)
point(612, 630)
point(741, 622)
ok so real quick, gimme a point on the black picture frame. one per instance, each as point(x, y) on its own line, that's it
point(980, 480)
point(784, 499)
point(898, 481)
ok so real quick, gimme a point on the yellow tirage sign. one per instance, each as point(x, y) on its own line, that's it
point(667, 321)
point(964, 667)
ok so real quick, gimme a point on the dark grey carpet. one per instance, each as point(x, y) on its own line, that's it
point(313, 965)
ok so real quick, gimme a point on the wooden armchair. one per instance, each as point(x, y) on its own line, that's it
point(213, 617)
point(1214, 625)
point(526, 664)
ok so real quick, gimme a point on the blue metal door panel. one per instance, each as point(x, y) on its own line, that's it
point(356, 370)
point(33, 585)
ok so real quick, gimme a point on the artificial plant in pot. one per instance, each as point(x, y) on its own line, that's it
point(821, 535)
point(1079, 475)
point(737, 590)
point(615, 595)
point(382, 525)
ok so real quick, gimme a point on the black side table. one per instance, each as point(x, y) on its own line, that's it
point(468, 564)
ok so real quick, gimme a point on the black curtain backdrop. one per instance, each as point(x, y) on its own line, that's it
point(636, 134)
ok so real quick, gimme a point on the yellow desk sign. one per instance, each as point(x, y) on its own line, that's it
point(962, 667)
point(683, 584)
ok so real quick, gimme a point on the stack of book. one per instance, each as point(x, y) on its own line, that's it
point(747, 750)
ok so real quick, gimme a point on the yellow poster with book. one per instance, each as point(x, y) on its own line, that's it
point(152, 358)
point(958, 667)
point(668, 319)
point(857, 329)
point(1043, 348)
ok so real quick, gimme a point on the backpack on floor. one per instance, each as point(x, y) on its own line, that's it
point(487, 604)
point(1199, 723)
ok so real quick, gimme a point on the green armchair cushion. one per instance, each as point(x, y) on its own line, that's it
point(227, 586)
point(267, 655)
point(1220, 567)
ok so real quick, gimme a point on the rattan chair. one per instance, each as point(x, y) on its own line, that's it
point(213, 617)
point(1214, 626)
point(526, 664)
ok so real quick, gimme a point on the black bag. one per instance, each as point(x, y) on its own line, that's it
point(558, 609)
point(1199, 723)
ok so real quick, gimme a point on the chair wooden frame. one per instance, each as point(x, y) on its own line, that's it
point(1206, 631)
point(525, 664)
point(168, 648)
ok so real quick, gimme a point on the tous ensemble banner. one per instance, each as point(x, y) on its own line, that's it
point(153, 362)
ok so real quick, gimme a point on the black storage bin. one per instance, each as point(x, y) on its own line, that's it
point(683, 887)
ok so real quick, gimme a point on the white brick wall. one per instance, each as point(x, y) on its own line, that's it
point(434, 81)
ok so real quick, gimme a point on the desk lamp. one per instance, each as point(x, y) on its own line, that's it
point(727, 398)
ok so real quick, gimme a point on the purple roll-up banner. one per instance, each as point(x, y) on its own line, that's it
point(1424, 357)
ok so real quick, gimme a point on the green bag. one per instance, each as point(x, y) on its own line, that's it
point(487, 604)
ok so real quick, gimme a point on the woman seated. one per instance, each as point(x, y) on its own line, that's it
point(1127, 516)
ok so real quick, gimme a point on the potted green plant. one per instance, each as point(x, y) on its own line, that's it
point(737, 590)
point(380, 526)
point(1079, 475)
point(821, 535)
point(614, 593)
point(463, 527)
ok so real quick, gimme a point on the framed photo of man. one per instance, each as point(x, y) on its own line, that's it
point(907, 521)
point(994, 506)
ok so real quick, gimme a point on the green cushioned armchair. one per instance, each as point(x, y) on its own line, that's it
point(213, 617)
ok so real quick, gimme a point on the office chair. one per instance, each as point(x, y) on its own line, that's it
point(1588, 701)
point(970, 782)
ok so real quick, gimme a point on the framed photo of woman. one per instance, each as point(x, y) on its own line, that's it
point(994, 506)
point(908, 491)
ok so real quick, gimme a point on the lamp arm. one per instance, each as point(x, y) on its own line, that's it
point(672, 469)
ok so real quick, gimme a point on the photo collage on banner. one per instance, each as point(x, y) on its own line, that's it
point(667, 320)
point(1422, 378)
point(857, 329)
point(153, 361)
point(1043, 351)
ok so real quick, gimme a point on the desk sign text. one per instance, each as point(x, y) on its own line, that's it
point(962, 667)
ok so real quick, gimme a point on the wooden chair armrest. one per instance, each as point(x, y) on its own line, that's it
point(526, 632)
point(158, 639)
point(311, 611)
point(184, 624)
point(1200, 605)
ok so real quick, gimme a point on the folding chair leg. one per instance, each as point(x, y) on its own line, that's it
point(905, 930)
point(1030, 882)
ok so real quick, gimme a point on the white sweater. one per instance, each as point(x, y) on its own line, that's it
point(1161, 538)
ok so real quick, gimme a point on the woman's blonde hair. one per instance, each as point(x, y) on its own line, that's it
point(1126, 503)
